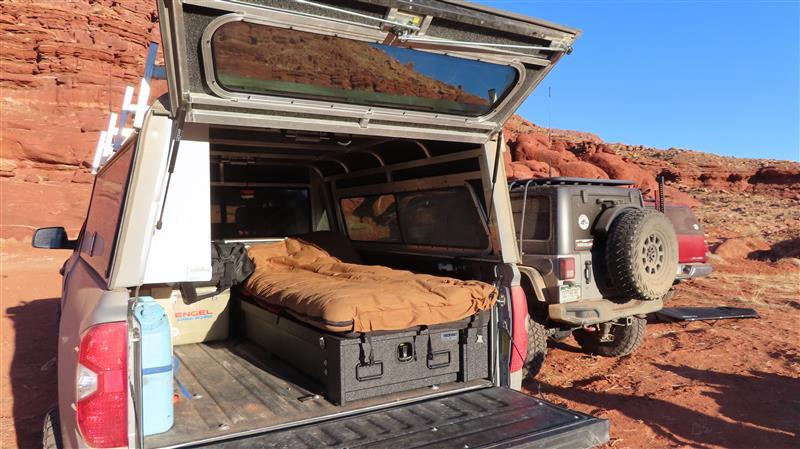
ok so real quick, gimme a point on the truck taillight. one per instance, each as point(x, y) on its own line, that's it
point(566, 268)
point(519, 339)
point(102, 394)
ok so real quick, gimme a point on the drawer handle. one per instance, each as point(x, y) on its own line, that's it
point(433, 364)
point(367, 376)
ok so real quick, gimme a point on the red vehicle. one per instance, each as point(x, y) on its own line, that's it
point(692, 244)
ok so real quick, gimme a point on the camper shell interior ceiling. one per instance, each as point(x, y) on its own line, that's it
point(329, 155)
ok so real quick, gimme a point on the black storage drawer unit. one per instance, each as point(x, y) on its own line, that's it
point(361, 366)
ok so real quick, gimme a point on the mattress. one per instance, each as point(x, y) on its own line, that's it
point(309, 283)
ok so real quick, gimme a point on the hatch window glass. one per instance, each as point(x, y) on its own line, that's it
point(260, 59)
point(259, 212)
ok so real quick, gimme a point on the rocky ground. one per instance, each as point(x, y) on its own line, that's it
point(733, 384)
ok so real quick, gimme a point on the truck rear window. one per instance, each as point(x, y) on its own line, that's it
point(683, 220)
point(371, 218)
point(258, 212)
point(442, 217)
point(259, 59)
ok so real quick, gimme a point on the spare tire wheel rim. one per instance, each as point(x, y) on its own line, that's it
point(653, 254)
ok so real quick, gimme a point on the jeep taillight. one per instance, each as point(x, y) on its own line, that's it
point(566, 268)
point(102, 394)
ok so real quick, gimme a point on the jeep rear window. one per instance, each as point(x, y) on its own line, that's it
point(259, 212)
point(537, 218)
point(443, 217)
point(259, 59)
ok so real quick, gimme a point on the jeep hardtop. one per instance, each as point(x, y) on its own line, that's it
point(375, 123)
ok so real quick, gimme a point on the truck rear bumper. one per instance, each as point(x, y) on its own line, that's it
point(693, 270)
point(584, 313)
point(487, 418)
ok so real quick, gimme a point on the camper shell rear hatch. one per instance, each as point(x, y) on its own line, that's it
point(441, 70)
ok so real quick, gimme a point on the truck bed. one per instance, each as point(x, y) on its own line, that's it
point(485, 418)
point(232, 388)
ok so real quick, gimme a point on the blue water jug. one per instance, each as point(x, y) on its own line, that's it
point(157, 405)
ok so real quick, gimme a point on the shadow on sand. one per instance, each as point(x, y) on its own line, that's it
point(762, 409)
point(33, 367)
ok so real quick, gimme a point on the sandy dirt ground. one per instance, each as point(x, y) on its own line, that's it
point(733, 384)
point(29, 292)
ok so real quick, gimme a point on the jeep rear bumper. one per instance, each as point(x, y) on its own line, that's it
point(584, 313)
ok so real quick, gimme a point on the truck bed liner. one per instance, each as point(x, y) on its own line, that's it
point(236, 388)
point(486, 418)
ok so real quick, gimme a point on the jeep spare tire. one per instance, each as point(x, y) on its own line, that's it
point(642, 254)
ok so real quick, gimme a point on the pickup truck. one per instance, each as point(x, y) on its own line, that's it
point(363, 133)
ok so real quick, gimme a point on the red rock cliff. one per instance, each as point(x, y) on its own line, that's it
point(64, 65)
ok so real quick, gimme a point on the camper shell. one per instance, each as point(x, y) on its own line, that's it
point(390, 101)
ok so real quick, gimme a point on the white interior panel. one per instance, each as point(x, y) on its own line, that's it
point(180, 251)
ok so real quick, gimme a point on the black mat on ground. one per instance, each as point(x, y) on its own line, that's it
point(672, 314)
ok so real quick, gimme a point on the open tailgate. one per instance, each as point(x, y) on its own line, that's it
point(435, 69)
point(487, 418)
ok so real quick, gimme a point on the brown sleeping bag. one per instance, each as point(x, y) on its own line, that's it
point(342, 297)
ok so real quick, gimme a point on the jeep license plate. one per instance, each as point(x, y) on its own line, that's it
point(569, 293)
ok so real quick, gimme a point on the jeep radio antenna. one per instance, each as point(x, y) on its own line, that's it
point(549, 129)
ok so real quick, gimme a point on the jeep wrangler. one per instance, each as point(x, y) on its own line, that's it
point(595, 261)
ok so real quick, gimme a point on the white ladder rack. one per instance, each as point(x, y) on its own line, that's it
point(117, 132)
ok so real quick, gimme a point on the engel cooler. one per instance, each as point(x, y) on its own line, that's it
point(200, 321)
point(156, 344)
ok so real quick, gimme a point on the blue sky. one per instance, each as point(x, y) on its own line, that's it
point(715, 76)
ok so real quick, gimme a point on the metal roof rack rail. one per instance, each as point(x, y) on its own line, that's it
point(559, 180)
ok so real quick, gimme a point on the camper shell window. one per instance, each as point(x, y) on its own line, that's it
point(252, 58)
point(99, 239)
point(441, 217)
